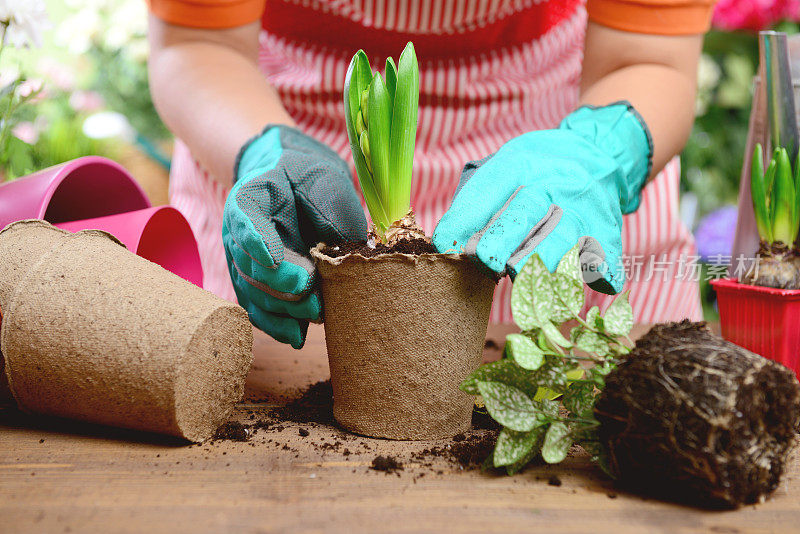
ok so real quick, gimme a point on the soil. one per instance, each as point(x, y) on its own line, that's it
point(234, 431)
point(469, 452)
point(736, 413)
point(314, 408)
point(387, 464)
point(315, 405)
point(405, 246)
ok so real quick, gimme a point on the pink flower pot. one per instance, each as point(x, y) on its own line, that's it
point(83, 188)
point(159, 234)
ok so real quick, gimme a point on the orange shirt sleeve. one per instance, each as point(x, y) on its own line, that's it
point(211, 14)
point(661, 17)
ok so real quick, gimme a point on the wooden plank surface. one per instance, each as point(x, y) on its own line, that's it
point(58, 476)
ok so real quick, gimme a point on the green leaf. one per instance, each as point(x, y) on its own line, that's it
point(554, 335)
point(783, 199)
point(357, 80)
point(570, 264)
point(549, 408)
point(568, 286)
point(618, 319)
point(542, 296)
point(525, 352)
point(379, 118)
point(403, 132)
point(509, 406)
point(569, 297)
point(769, 181)
point(579, 399)
point(513, 446)
point(505, 371)
point(522, 298)
point(593, 318)
point(759, 195)
point(391, 77)
point(589, 341)
point(556, 443)
point(532, 298)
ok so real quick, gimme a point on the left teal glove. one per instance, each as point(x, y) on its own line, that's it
point(290, 192)
point(545, 191)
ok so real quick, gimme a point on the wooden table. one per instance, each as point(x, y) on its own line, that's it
point(58, 476)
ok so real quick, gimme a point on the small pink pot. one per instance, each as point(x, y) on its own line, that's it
point(159, 234)
point(83, 188)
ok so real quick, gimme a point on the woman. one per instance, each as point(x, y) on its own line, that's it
point(252, 88)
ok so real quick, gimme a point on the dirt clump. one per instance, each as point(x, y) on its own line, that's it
point(387, 464)
point(233, 431)
point(315, 405)
point(689, 416)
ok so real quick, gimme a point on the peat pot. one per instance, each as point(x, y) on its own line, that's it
point(92, 332)
point(763, 320)
point(402, 332)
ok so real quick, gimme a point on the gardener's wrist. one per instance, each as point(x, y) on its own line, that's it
point(261, 152)
point(621, 133)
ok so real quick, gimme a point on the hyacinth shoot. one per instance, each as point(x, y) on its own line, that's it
point(776, 204)
point(381, 117)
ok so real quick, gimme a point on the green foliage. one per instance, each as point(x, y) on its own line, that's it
point(776, 196)
point(541, 394)
point(381, 118)
point(62, 140)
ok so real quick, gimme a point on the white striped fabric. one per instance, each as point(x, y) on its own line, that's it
point(469, 108)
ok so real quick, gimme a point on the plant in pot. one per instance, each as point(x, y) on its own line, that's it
point(761, 311)
point(403, 324)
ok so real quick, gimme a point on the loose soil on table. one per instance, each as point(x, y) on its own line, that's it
point(404, 246)
point(314, 409)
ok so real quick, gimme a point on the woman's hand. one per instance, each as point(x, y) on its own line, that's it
point(545, 191)
point(291, 192)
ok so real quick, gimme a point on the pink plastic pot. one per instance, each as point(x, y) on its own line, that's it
point(159, 234)
point(761, 319)
point(83, 188)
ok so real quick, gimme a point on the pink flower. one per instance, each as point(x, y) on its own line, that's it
point(754, 15)
point(31, 86)
point(26, 132)
point(86, 101)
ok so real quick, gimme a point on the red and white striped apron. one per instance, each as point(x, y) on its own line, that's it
point(490, 70)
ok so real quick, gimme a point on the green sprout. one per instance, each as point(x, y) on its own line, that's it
point(381, 117)
point(776, 196)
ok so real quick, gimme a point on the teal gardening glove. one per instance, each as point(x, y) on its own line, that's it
point(290, 192)
point(545, 191)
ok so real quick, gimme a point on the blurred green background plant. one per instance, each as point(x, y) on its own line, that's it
point(94, 97)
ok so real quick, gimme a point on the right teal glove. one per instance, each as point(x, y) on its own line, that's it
point(290, 193)
point(546, 191)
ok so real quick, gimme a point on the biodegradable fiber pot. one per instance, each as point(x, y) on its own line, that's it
point(402, 332)
point(93, 332)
